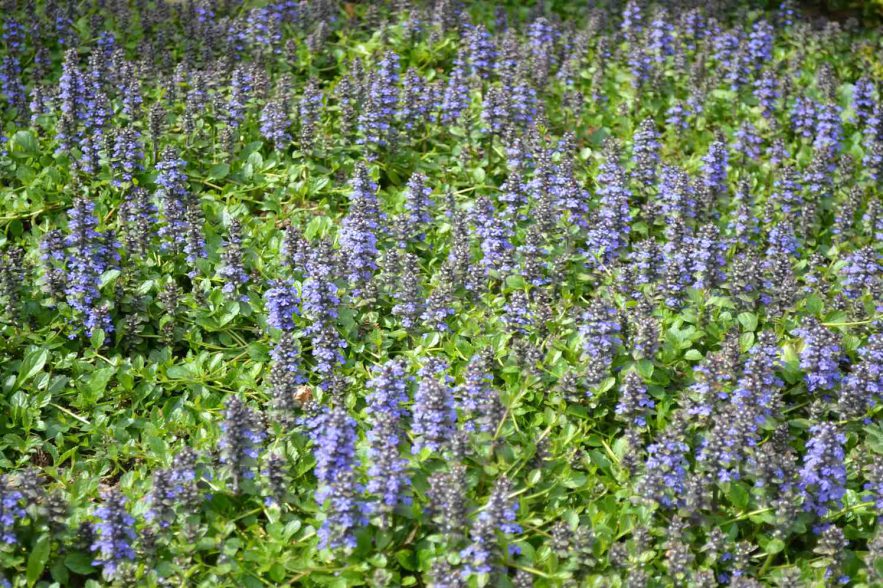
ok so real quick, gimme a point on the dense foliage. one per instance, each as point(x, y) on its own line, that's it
point(394, 294)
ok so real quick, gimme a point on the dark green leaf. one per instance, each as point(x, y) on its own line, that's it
point(35, 359)
point(37, 559)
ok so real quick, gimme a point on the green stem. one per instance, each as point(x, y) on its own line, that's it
point(69, 413)
point(766, 564)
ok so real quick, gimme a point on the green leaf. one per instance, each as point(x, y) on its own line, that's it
point(599, 459)
point(219, 171)
point(775, 546)
point(693, 355)
point(405, 558)
point(318, 226)
point(645, 368)
point(605, 385)
point(97, 338)
point(576, 480)
point(534, 477)
point(25, 174)
point(746, 341)
point(24, 144)
point(250, 148)
point(738, 495)
point(37, 559)
point(108, 276)
point(35, 359)
point(748, 320)
point(59, 572)
point(875, 439)
point(97, 381)
point(256, 160)
point(515, 282)
point(277, 572)
point(231, 310)
point(179, 372)
point(813, 304)
point(79, 563)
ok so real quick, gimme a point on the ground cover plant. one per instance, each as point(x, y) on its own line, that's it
point(409, 294)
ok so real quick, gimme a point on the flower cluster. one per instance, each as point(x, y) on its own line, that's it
point(376, 121)
point(282, 305)
point(175, 490)
point(600, 331)
point(114, 532)
point(634, 402)
point(387, 472)
point(358, 230)
point(496, 245)
point(434, 412)
point(613, 222)
point(418, 206)
point(498, 516)
point(232, 270)
point(241, 441)
point(862, 388)
point(173, 195)
point(90, 254)
point(334, 437)
point(823, 473)
point(320, 306)
point(820, 355)
point(11, 511)
point(477, 399)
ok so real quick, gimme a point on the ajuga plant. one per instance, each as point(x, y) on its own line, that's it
point(440, 293)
